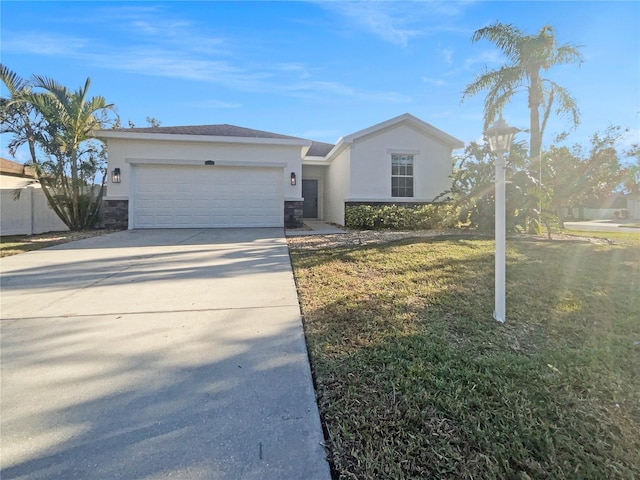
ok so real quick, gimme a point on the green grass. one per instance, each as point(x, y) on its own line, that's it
point(415, 380)
point(624, 238)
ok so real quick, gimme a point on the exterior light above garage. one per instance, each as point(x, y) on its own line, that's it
point(293, 178)
point(115, 175)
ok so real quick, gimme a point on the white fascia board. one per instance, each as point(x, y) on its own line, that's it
point(312, 160)
point(415, 121)
point(338, 149)
point(192, 162)
point(169, 137)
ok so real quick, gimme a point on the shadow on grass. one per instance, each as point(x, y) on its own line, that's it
point(416, 381)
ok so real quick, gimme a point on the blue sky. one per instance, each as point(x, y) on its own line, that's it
point(319, 70)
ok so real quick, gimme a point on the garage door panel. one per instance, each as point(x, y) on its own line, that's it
point(207, 197)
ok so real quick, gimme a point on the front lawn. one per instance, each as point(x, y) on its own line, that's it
point(415, 380)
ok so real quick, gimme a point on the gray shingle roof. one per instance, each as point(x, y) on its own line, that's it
point(319, 149)
point(223, 130)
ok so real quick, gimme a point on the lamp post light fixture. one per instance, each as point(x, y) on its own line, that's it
point(500, 136)
point(115, 175)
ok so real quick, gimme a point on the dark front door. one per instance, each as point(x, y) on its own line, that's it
point(310, 194)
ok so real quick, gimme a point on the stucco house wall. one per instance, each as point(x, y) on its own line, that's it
point(125, 152)
point(338, 180)
point(356, 169)
point(371, 165)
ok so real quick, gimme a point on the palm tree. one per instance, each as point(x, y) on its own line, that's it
point(71, 119)
point(528, 56)
point(19, 118)
point(60, 123)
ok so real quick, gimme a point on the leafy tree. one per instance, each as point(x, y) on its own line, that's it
point(632, 172)
point(151, 122)
point(57, 125)
point(528, 56)
point(473, 190)
point(585, 179)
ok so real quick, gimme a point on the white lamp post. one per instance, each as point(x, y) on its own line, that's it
point(500, 136)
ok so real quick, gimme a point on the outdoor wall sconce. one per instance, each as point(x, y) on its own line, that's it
point(293, 178)
point(115, 175)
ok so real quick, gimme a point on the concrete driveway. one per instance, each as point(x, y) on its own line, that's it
point(157, 354)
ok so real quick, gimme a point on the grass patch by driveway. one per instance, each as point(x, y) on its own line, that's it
point(415, 380)
point(15, 244)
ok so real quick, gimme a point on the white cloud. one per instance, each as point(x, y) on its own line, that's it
point(40, 43)
point(436, 82)
point(486, 57)
point(173, 48)
point(399, 22)
point(383, 19)
point(447, 55)
point(300, 69)
point(164, 61)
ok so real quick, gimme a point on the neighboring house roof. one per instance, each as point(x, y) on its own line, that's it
point(15, 175)
point(15, 169)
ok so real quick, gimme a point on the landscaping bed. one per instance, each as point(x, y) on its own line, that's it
point(415, 380)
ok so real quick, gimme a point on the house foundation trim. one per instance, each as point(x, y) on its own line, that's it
point(116, 213)
point(293, 213)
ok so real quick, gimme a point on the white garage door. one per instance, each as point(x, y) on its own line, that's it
point(207, 197)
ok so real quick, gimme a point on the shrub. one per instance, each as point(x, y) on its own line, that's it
point(401, 217)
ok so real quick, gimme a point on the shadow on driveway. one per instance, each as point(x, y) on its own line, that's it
point(185, 362)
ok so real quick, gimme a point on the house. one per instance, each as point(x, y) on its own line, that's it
point(14, 174)
point(229, 176)
point(24, 209)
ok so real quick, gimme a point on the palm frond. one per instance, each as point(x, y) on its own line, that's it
point(504, 36)
point(566, 54)
point(567, 105)
point(14, 82)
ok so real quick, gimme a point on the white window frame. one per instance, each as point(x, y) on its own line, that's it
point(402, 171)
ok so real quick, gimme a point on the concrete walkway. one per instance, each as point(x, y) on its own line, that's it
point(157, 354)
point(316, 227)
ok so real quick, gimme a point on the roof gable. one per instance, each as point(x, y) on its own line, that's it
point(410, 119)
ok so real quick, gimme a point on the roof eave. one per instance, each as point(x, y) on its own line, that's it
point(315, 160)
point(444, 137)
point(165, 137)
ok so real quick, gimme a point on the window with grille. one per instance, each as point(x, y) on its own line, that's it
point(401, 175)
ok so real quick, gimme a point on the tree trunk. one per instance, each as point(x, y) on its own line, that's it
point(535, 99)
point(75, 189)
point(43, 184)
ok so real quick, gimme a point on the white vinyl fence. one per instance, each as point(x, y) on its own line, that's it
point(28, 214)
